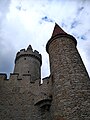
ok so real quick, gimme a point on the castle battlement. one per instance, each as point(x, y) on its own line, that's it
point(3, 76)
point(64, 95)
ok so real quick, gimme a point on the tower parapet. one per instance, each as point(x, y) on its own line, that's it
point(3, 76)
point(28, 62)
point(29, 52)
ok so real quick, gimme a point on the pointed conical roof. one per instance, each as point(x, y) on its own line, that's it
point(57, 30)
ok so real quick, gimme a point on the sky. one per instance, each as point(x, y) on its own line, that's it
point(24, 22)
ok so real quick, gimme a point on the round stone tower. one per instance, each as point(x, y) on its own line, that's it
point(71, 83)
point(28, 62)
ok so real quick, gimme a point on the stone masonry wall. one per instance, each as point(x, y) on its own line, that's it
point(21, 99)
point(71, 83)
point(16, 100)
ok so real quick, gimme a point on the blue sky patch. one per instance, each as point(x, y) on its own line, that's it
point(46, 19)
point(74, 24)
point(80, 9)
point(83, 37)
point(63, 25)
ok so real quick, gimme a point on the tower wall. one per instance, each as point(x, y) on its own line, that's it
point(71, 83)
point(28, 62)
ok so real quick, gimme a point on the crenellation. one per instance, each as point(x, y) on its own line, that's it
point(22, 50)
point(28, 52)
point(13, 76)
point(3, 76)
point(35, 51)
point(64, 95)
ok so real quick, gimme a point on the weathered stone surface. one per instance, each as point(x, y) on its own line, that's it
point(64, 95)
point(71, 93)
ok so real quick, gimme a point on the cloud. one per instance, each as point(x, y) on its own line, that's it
point(19, 7)
point(4, 9)
point(6, 57)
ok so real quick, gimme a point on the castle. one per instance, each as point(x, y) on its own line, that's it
point(64, 95)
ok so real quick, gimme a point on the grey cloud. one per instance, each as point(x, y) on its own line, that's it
point(4, 9)
point(19, 7)
point(6, 64)
point(4, 5)
point(7, 55)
